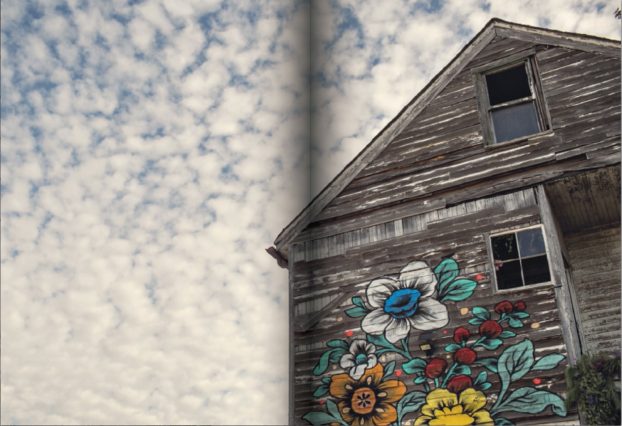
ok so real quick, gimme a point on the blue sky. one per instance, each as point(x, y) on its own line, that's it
point(151, 151)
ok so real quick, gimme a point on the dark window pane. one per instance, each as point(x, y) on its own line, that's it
point(515, 121)
point(508, 274)
point(536, 270)
point(504, 247)
point(508, 85)
point(531, 242)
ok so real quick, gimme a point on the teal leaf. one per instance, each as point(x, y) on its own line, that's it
point(452, 347)
point(333, 410)
point(520, 315)
point(489, 364)
point(326, 380)
point(480, 312)
point(356, 312)
point(380, 340)
point(506, 334)
point(514, 363)
point(548, 362)
point(476, 321)
point(388, 369)
point(336, 355)
point(491, 344)
point(414, 366)
point(502, 421)
point(409, 403)
point(532, 401)
point(515, 323)
point(322, 418)
point(358, 301)
point(458, 290)
point(320, 391)
point(463, 369)
point(338, 343)
point(419, 380)
point(445, 272)
point(327, 357)
point(481, 378)
point(485, 386)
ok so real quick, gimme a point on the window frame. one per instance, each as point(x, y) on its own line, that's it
point(528, 60)
point(496, 289)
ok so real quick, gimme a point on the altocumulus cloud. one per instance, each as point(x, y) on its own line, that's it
point(152, 149)
point(148, 155)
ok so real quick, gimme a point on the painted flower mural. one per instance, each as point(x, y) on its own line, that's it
point(450, 389)
point(404, 302)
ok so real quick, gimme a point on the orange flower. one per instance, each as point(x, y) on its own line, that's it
point(369, 400)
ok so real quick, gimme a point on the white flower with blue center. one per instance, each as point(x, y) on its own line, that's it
point(405, 302)
point(360, 358)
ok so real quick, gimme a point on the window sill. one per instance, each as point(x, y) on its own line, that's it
point(531, 138)
point(548, 284)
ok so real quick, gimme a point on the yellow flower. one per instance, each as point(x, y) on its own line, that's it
point(368, 401)
point(444, 408)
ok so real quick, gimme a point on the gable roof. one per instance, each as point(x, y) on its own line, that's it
point(495, 27)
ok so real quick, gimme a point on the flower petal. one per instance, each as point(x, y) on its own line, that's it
point(375, 322)
point(370, 348)
point(384, 414)
point(422, 420)
point(357, 371)
point(397, 330)
point(472, 400)
point(375, 373)
point(372, 360)
point(431, 315)
point(395, 390)
point(358, 347)
point(346, 415)
point(338, 384)
point(436, 399)
point(482, 417)
point(418, 275)
point(379, 290)
point(346, 361)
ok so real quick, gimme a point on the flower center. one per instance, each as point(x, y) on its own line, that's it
point(363, 400)
point(360, 359)
point(402, 303)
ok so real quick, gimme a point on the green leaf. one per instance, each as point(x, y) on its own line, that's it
point(515, 323)
point(532, 401)
point(480, 312)
point(419, 380)
point(476, 321)
point(414, 366)
point(514, 363)
point(485, 386)
point(548, 362)
point(388, 369)
point(380, 340)
point(491, 344)
point(409, 403)
point(358, 301)
point(481, 378)
point(506, 334)
point(321, 418)
point(520, 315)
point(489, 364)
point(445, 272)
point(338, 343)
point(458, 290)
point(327, 357)
point(462, 369)
point(320, 391)
point(452, 347)
point(333, 410)
point(502, 421)
point(356, 312)
point(336, 355)
point(326, 380)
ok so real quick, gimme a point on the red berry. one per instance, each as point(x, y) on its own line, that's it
point(504, 307)
point(480, 277)
point(461, 334)
point(435, 368)
point(490, 329)
point(348, 333)
point(520, 305)
point(537, 381)
point(398, 373)
point(465, 356)
point(459, 383)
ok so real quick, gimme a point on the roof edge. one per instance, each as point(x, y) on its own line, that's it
point(416, 104)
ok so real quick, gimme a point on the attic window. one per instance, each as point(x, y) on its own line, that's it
point(520, 258)
point(511, 103)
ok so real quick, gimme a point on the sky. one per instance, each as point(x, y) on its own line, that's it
point(152, 150)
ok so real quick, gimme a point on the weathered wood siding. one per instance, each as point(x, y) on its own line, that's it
point(329, 269)
point(595, 260)
point(442, 149)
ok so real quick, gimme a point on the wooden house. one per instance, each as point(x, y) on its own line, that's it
point(471, 251)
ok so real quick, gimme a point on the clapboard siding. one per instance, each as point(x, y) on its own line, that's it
point(443, 147)
point(595, 260)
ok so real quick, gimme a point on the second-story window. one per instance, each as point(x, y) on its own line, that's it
point(511, 103)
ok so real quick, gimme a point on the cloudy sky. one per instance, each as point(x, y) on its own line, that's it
point(151, 151)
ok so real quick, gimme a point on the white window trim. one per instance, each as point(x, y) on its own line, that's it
point(496, 289)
